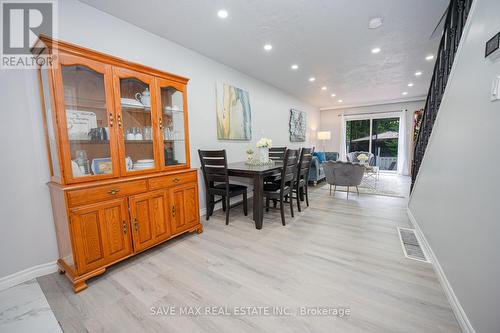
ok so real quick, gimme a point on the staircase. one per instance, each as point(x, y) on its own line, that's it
point(456, 16)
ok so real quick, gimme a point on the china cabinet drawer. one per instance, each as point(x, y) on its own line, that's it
point(172, 180)
point(107, 192)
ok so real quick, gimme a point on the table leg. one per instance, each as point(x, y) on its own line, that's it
point(258, 207)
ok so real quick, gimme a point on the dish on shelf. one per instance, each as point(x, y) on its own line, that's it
point(129, 164)
point(101, 166)
point(76, 170)
point(131, 102)
point(146, 161)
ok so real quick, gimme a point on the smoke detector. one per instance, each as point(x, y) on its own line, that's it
point(375, 23)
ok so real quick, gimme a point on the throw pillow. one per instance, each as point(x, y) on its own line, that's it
point(321, 156)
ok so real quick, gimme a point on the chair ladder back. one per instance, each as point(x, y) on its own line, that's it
point(277, 153)
point(214, 166)
point(290, 162)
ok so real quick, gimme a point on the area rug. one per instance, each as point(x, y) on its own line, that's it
point(387, 185)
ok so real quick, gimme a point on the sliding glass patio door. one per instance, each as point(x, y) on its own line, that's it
point(379, 136)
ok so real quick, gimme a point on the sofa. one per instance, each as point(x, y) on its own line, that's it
point(316, 172)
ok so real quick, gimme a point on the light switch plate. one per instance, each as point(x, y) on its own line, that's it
point(495, 89)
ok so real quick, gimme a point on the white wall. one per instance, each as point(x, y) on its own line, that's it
point(27, 236)
point(331, 120)
point(456, 197)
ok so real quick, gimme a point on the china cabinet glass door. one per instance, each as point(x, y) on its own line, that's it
point(136, 120)
point(86, 98)
point(172, 109)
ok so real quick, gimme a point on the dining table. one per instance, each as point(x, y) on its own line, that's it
point(257, 173)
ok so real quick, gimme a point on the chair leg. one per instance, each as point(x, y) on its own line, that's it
point(298, 199)
point(282, 210)
point(291, 205)
point(209, 206)
point(228, 206)
point(334, 189)
point(306, 190)
point(275, 203)
point(245, 204)
point(347, 192)
point(267, 204)
point(357, 190)
point(224, 204)
point(330, 189)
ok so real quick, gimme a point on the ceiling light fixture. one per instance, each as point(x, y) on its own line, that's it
point(324, 88)
point(404, 93)
point(294, 67)
point(429, 57)
point(375, 23)
point(410, 84)
point(340, 101)
point(222, 14)
point(333, 95)
point(376, 50)
point(312, 79)
point(268, 47)
point(418, 73)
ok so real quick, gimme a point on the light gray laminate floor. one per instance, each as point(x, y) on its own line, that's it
point(335, 254)
point(24, 309)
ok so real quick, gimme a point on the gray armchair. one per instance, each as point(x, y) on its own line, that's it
point(353, 157)
point(343, 174)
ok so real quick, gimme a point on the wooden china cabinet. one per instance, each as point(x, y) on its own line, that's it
point(117, 137)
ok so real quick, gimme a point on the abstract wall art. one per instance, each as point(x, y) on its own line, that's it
point(298, 125)
point(234, 114)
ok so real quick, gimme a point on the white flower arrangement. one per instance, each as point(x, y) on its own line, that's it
point(362, 157)
point(264, 143)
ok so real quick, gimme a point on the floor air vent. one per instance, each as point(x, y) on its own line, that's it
point(410, 244)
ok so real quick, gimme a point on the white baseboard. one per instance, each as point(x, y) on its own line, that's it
point(27, 274)
point(459, 312)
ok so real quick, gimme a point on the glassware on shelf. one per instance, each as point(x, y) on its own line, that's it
point(147, 133)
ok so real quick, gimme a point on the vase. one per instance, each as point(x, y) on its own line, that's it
point(263, 154)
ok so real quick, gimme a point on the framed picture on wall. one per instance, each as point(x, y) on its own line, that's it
point(234, 114)
point(298, 125)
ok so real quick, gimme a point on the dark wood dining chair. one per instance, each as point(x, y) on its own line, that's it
point(302, 177)
point(278, 190)
point(214, 169)
point(276, 154)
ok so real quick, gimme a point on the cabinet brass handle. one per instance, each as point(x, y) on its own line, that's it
point(124, 228)
point(176, 180)
point(136, 225)
point(113, 191)
point(111, 119)
point(161, 123)
point(119, 121)
point(173, 211)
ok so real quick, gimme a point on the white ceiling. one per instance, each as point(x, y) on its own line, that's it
point(328, 39)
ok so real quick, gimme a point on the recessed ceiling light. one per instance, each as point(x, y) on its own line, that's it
point(404, 93)
point(324, 88)
point(222, 14)
point(376, 50)
point(429, 57)
point(333, 95)
point(418, 73)
point(375, 23)
point(410, 84)
point(268, 47)
point(340, 101)
point(294, 67)
point(312, 79)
